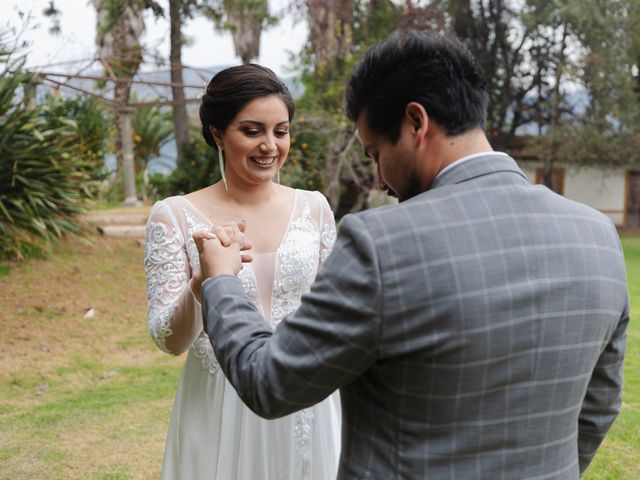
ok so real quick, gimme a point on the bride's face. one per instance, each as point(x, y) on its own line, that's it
point(256, 142)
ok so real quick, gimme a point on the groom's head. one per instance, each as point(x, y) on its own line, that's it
point(414, 82)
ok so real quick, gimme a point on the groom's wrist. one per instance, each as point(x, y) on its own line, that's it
point(211, 279)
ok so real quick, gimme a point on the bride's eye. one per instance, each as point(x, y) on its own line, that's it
point(252, 132)
point(282, 133)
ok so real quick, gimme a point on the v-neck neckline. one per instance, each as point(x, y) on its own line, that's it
point(282, 238)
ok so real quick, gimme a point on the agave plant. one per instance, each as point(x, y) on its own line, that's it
point(45, 180)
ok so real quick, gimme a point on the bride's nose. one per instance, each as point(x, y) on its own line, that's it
point(268, 146)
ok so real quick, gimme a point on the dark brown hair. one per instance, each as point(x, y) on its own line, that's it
point(231, 89)
point(410, 66)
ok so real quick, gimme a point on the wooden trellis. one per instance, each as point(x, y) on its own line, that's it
point(58, 80)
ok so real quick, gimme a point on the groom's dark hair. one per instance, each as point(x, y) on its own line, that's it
point(438, 72)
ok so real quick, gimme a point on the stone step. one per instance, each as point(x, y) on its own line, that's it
point(116, 219)
point(130, 231)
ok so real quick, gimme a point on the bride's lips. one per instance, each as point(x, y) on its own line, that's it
point(264, 161)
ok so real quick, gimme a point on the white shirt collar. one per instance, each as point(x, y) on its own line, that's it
point(468, 157)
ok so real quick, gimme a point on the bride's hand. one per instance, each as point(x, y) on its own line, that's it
point(223, 250)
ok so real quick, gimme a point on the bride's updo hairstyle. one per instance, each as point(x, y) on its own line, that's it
point(230, 90)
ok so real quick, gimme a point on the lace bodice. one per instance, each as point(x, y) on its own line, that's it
point(275, 282)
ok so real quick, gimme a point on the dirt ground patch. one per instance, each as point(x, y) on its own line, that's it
point(84, 393)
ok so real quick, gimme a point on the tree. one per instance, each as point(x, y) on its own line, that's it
point(152, 129)
point(606, 129)
point(245, 19)
point(545, 64)
point(326, 142)
point(500, 41)
point(178, 11)
point(330, 31)
point(120, 24)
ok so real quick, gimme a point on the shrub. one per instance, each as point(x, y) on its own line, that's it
point(93, 126)
point(196, 168)
point(45, 176)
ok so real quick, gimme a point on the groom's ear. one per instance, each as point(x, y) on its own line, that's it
point(418, 120)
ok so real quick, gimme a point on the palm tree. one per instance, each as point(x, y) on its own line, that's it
point(245, 19)
point(120, 24)
point(179, 10)
point(152, 129)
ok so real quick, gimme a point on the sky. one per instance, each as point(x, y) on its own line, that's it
point(205, 49)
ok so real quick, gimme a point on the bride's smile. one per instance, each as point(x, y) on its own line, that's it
point(264, 161)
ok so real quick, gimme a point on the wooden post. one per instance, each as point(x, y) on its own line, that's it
point(128, 168)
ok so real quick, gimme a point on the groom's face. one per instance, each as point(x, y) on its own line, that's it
point(396, 162)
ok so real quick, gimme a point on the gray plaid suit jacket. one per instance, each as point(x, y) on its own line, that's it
point(476, 331)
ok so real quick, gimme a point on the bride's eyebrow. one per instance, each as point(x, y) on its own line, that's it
point(260, 124)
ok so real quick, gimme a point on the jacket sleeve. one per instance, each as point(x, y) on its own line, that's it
point(328, 342)
point(603, 399)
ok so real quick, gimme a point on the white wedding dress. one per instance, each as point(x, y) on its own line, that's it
point(212, 434)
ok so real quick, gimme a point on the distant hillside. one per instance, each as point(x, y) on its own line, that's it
point(196, 79)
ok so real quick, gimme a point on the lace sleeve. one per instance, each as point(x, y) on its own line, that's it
point(327, 229)
point(173, 317)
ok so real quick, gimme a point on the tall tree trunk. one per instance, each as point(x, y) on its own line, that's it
point(128, 167)
point(547, 175)
point(245, 21)
point(117, 39)
point(330, 24)
point(180, 118)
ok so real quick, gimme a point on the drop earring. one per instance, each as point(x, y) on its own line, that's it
point(278, 176)
point(221, 163)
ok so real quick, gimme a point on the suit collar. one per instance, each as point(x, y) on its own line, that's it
point(477, 167)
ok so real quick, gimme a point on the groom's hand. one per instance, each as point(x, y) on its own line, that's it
point(222, 250)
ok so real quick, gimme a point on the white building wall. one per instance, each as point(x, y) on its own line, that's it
point(602, 189)
point(529, 169)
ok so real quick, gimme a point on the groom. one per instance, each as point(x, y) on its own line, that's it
point(476, 330)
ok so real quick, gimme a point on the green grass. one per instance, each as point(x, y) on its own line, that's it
point(91, 398)
point(82, 398)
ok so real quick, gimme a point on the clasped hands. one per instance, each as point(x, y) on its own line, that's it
point(222, 250)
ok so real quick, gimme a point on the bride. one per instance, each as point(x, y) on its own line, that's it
point(246, 113)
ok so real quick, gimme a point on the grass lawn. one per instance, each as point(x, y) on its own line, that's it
point(81, 398)
point(90, 398)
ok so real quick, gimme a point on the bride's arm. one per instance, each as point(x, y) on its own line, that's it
point(174, 315)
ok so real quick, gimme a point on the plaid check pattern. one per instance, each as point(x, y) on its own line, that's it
point(476, 331)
